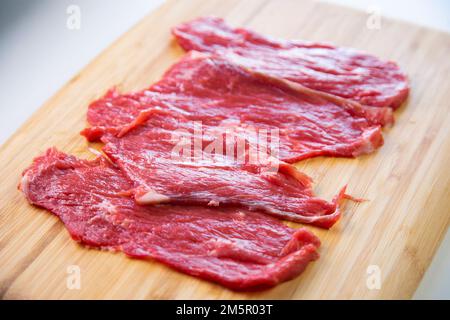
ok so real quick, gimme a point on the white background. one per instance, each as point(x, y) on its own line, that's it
point(38, 54)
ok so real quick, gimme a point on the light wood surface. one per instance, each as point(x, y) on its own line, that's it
point(407, 181)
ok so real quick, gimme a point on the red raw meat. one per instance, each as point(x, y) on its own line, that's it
point(239, 249)
point(339, 71)
point(220, 94)
point(144, 151)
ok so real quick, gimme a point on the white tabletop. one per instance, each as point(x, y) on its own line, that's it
point(39, 53)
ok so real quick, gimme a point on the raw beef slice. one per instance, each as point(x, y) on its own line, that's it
point(144, 151)
point(339, 71)
point(239, 249)
point(206, 88)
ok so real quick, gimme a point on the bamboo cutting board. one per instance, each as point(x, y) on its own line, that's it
point(392, 237)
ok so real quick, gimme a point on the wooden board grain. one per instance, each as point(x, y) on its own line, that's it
point(407, 181)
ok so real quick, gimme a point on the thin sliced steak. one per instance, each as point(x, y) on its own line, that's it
point(221, 94)
point(335, 70)
point(145, 152)
point(239, 249)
